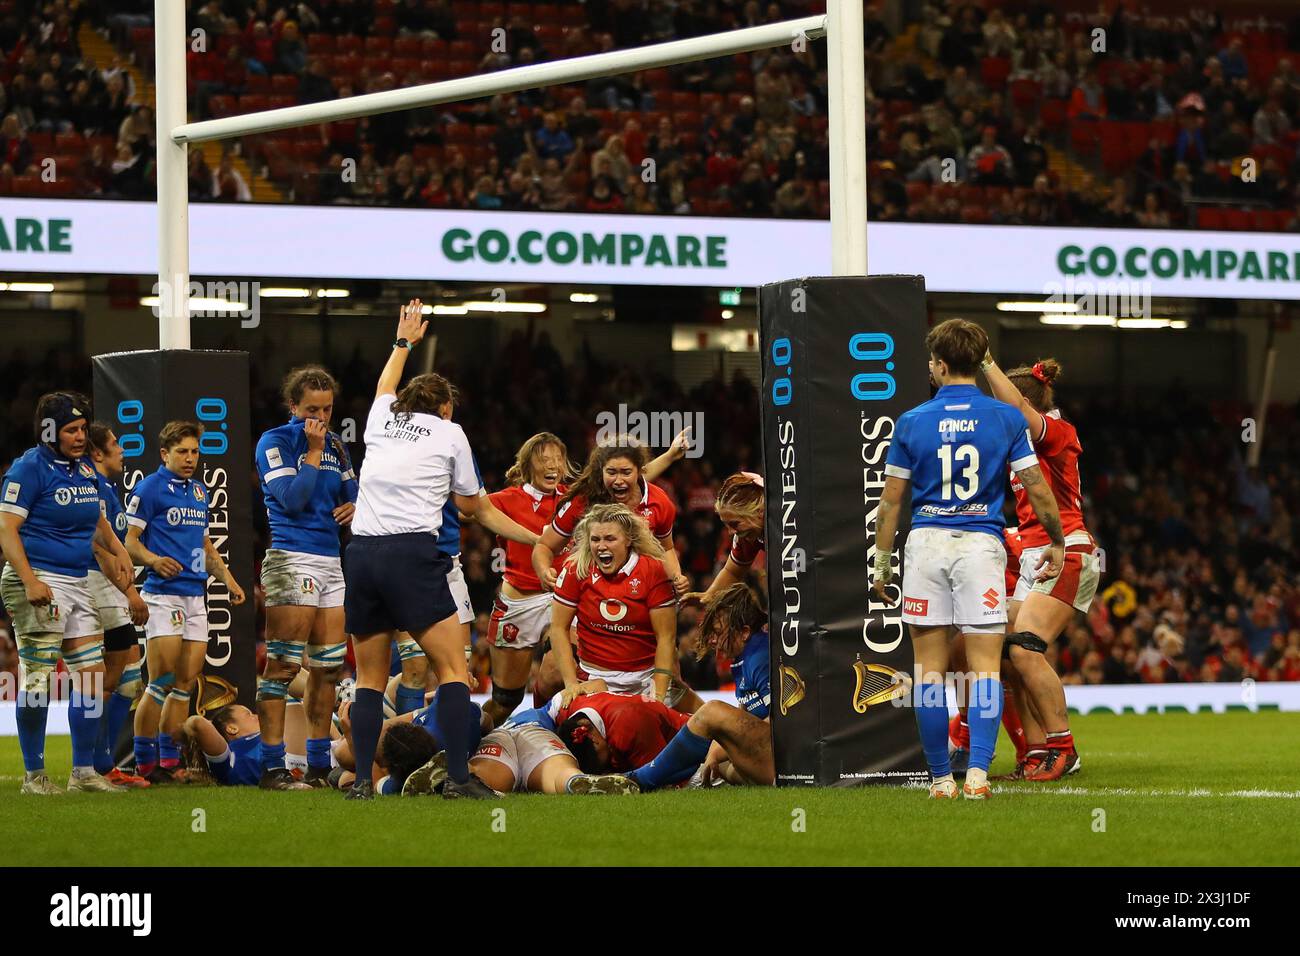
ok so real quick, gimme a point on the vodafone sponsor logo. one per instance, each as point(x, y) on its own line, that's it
point(918, 606)
point(613, 610)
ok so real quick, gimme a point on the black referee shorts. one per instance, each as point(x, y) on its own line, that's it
point(395, 582)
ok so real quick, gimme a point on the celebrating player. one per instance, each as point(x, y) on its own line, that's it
point(614, 475)
point(309, 489)
point(1043, 608)
point(50, 521)
point(734, 743)
point(741, 506)
point(522, 611)
point(395, 575)
point(168, 534)
point(951, 449)
point(617, 586)
point(119, 613)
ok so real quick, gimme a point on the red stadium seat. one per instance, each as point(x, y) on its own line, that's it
point(284, 83)
point(688, 121)
point(916, 191)
point(994, 71)
point(524, 10)
point(658, 79)
point(70, 143)
point(258, 83)
point(348, 43)
point(220, 106)
point(492, 8)
point(25, 185)
point(1052, 114)
point(463, 50)
point(406, 46)
point(380, 44)
point(1211, 217)
point(685, 101)
point(253, 103)
point(281, 100)
point(434, 49)
point(320, 43)
point(1238, 220)
point(551, 35)
point(1262, 220)
point(974, 214)
point(385, 26)
point(1025, 93)
point(547, 13)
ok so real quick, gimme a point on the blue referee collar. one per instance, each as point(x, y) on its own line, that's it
point(956, 389)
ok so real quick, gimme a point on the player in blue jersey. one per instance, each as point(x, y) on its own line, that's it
point(167, 518)
point(952, 451)
point(119, 614)
point(50, 523)
point(310, 492)
point(231, 740)
point(732, 743)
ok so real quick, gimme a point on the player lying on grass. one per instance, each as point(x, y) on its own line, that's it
point(951, 451)
point(398, 749)
point(524, 754)
point(617, 588)
point(733, 743)
point(227, 742)
point(616, 732)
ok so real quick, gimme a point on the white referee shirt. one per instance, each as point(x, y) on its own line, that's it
point(410, 470)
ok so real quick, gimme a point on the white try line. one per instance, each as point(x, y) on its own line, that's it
point(1048, 790)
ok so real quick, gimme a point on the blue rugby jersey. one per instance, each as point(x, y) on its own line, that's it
point(300, 498)
point(242, 764)
point(172, 513)
point(426, 718)
point(58, 500)
point(449, 531)
point(110, 506)
point(541, 716)
point(954, 449)
point(751, 671)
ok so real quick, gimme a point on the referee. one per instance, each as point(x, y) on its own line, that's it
point(394, 574)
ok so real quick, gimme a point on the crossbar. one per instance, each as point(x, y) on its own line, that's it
point(535, 76)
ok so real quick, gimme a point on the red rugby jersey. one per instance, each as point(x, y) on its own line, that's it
point(655, 507)
point(534, 510)
point(636, 729)
point(1058, 452)
point(613, 611)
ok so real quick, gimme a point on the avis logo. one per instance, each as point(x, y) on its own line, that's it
point(77, 909)
point(918, 606)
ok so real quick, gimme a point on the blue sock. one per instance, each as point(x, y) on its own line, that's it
point(32, 711)
point(367, 719)
point(984, 714)
point(272, 755)
point(932, 722)
point(452, 712)
point(168, 754)
point(146, 755)
point(84, 713)
point(409, 698)
point(318, 752)
point(110, 728)
point(676, 762)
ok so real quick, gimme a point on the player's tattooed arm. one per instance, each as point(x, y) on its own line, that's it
point(1049, 516)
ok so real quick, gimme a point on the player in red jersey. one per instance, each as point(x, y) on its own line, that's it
point(521, 613)
point(741, 506)
point(614, 475)
point(616, 585)
point(1042, 609)
point(617, 732)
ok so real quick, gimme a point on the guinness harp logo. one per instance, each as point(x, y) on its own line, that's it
point(877, 684)
point(213, 694)
point(792, 689)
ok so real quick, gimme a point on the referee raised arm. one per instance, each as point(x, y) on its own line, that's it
point(395, 576)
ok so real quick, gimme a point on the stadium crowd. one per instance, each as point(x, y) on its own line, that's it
point(1002, 113)
point(1201, 551)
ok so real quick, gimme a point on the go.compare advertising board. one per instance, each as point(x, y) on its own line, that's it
point(338, 242)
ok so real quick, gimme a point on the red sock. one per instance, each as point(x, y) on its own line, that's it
point(1011, 721)
point(1060, 740)
point(959, 731)
point(169, 763)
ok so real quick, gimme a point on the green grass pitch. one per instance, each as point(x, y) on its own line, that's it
point(1190, 789)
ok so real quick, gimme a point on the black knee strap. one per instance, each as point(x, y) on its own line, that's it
point(120, 638)
point(507, 697)
point(1026, 639)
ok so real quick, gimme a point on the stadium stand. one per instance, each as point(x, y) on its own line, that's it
point(1154, 131)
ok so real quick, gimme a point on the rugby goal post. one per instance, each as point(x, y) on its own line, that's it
point(841, 26)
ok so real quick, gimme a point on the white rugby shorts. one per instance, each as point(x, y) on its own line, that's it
point(955, 578)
